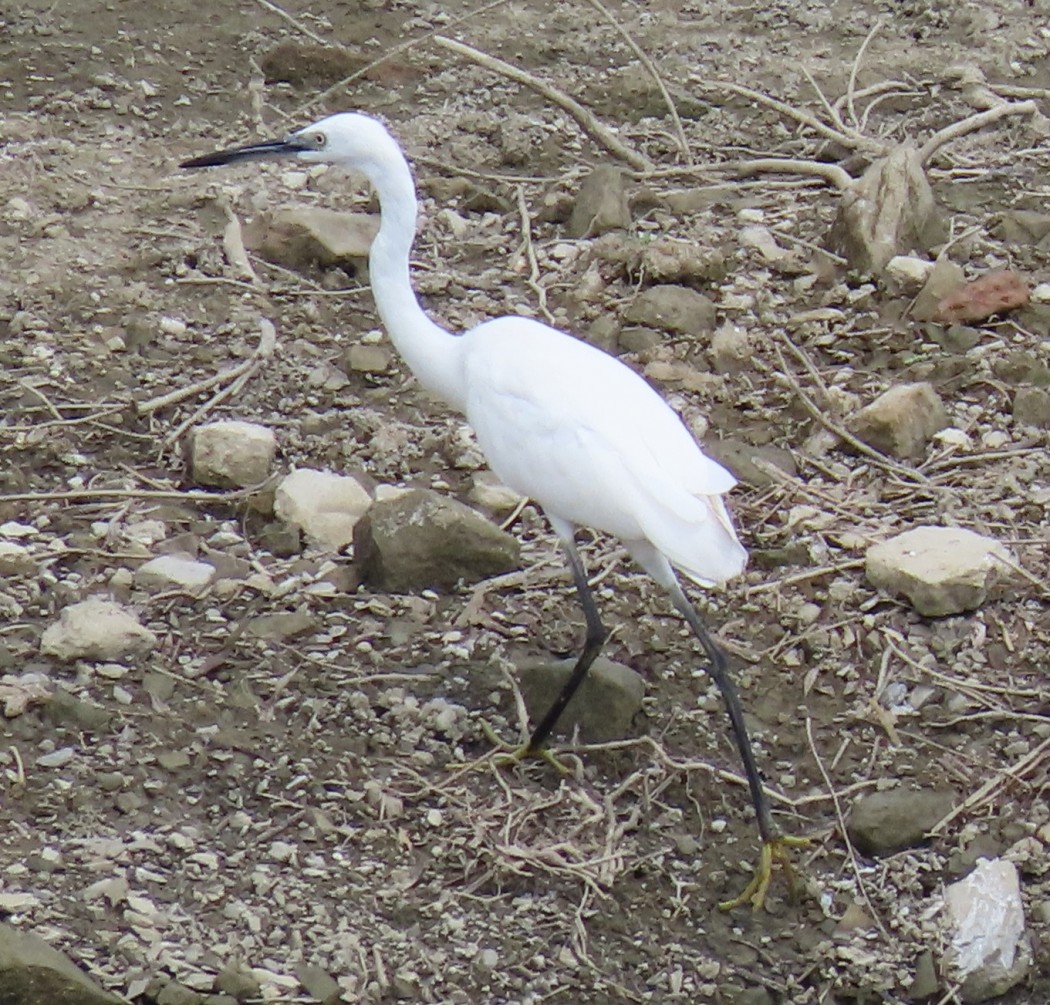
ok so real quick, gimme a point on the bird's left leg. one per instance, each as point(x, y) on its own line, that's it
point(775, 846)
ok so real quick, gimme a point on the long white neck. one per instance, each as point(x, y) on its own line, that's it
point(433, 354)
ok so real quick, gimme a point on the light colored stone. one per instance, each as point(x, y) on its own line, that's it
point(888, 211)
point(941, 570)
point(761, 239)
point(232, 453)
point(369, 358)
point(96, 629)
point(299, 237)
point(731, 349)
point(325, 506)
point(989, 951)
point(901, 421)
point(487, 491)
point(16, 559)
point(907, 274)
point(167, 572)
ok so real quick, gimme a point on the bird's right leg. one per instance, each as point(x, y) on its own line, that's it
point(592, 645)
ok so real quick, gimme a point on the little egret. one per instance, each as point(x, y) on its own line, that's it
point(561, 422)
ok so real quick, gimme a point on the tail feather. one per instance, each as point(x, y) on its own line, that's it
point(707, 550)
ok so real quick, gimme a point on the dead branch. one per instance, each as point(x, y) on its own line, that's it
point(972, 124)
point(587, 121)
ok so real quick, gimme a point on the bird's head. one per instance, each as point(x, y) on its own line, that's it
point(348, 138)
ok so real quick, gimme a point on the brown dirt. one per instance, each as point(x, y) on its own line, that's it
point(272, 801)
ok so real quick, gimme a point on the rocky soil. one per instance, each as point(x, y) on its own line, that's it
point(250, 796)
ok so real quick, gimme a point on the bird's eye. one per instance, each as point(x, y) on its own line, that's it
point(319, 140)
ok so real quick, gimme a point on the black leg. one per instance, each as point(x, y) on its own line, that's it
point(595, 639)
point(719, 672)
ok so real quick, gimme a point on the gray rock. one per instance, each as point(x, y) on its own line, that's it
point(941, 570)
point(886, 822)
point(325, 506)
point(300, 237)
point(944, 277)
point(420, 539)
point(989, 952)
point(888, 211)
point(237, 982)
point(747, 462)
point(32, 973)
point(282, 625)
point(1024, 227)
point(1032, 406)
point(601, 204)
point(67, 709)
point(925, 982)
point(174, 993)
point(605, 706)
point(96, 629)
point(232, 453)
point(901, 421)
point(638, 339)
point(672, 308)
point(318, 983)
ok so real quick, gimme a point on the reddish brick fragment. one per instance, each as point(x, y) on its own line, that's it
point(993, 293)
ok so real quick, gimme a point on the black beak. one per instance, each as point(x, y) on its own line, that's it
point(253, 151)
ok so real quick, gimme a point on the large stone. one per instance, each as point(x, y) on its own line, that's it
point(96, 629)
point(601, 204)
point(944, 277)
point(421, 540)
point(1032, 406)
point(16, 559)
point(886, 822)
point(672, 308)
point(174, 572)
point(901, 421)
point(604, 707)
point(989, 951)
point(300, 237)
point(941, 570)
point(232, 453)
point(33, 973)
point(888, 211)
point(325, 506)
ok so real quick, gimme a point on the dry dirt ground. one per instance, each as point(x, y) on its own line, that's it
point(269, 789)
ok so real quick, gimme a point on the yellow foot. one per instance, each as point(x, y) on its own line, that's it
point(507, 755)
point(775, 852)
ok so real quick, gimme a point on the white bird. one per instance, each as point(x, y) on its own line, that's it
point(561, 422)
